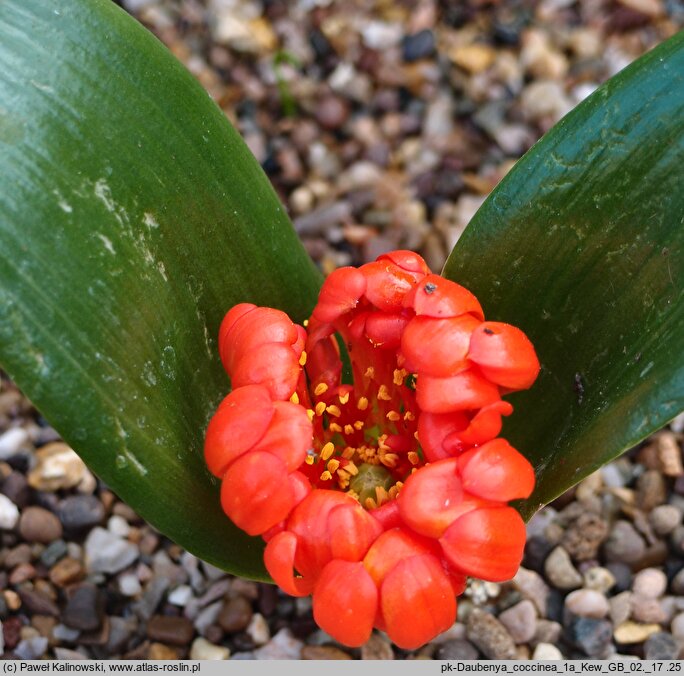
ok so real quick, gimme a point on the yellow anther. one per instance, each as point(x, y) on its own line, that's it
point(310, 414)
point(362, 404)
point(320, 408)
point(370, 503)
point(415, 436)
point(334, 410)
point(381, 495)
point(333, 465)
point(353, 494)
point(413, 457)
point(393, 416)
point(302, 358)
point(351, 468)
point(294, 398)
point(358, 425)
point(327, 450)
point(370, 372)
point(326, 476)
point(382, 445)
point(334, 427)
point(383, 393)
point(348, 429)
point(305, 323)
point(389, 459)
point(399, 375)
point(409, 416)
point(320, 389)
point(344, 398)
point(309, 460)
point(348, 453)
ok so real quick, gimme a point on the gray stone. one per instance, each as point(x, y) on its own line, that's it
point(490, 636)
point(620, 607)
point(377, 648)
point(532, 586)
point(39, 525)
point(584, 536)
point(599, 578)
point(31, 648)
point(664, 519)
point(520, 620)
point(624, 543)
point(560, 572)
point(78, 512)
point(84, 610)
point(457, 649)
point(661, 646)
point(283, 646)
point(107, 553)
point(592, 636)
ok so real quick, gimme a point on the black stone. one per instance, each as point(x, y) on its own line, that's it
point(84, 610)
point(661, 646)
point(80, 512)
point(420, 45)
point(591, 636)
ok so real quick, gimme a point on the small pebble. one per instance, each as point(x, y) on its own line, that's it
point(664, 519)
point(180, 595)
point(457, 649)
point(634, 632)
point(661, 646)
point(650, 583)
point(174, 630)
point(592, 636)
point(283, 646)
point(532, 586)
point(258, 629)
point(12, 441)
point(108, 553)
point(39, 525)
point(599, 579)
point(9, 513)
point(560, 572)
point(624, 544)
point(520, 620)
point(323, 652)
point(490, 636)
point(84, 609)
point(547, 651)
point(201, 649)
point(78, 512)
point(587, 603)
point(377, 648)
point(235, 615)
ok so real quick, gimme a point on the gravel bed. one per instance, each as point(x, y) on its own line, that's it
point(381, 125)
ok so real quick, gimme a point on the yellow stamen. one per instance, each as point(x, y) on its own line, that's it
point(389, 459)
point(415, 436)
point(348, 429)
point(348, 453)
point(370, 503)
point(302, 358)
point(305, 323)
point(399, 375)
point(320, 408)
point(383, 393)
point(334, 410)
point(310, 414)
point(309, 460)
point(381, 495)
point(294, 398)
point(353, 494)
point(409, 416)
point(344, 398)
point(358, 425)
point(327, 450)
point(413, 457)
point(320, 389)
point(333, 465)
point(370, 372)
point(326, 476)
point(334, 427)
point(393, 416)
point(362, 404)
point(351, 468)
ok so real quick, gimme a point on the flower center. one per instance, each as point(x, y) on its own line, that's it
point(365, 435)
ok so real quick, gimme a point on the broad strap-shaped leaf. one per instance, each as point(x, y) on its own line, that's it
point(581, 245)
point(132, 217)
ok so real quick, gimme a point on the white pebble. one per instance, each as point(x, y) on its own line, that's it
point(180, 595)
point(118, 525)
point(258, 629)
point(129, 585)
point(587, 603)
point(203, 650)
point(547, 651)
point(9, 513)
point(650, 583)
point(12, 441)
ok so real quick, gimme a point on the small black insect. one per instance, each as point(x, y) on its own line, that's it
point(430, 287)
point(489, 332)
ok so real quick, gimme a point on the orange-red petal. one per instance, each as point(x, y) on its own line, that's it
point(273, 365)
point(255, 493)
point(289, 434)
point(433, 498)
point(279, 557)
point(496, 471)
point(485, 425)
point(352, 530)
point(435, 296)
point(417, 601)
point(385, 329)
point(345, 602)
point(466, 390)
point(504, 354)
point(437, 347)
point(435, 428)
point(486, 543)
point(340, 293)
point(237, 426)
point(386, 284)
point(408, 261)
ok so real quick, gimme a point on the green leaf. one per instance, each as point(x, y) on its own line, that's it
point(581, 246)
point(132, 217)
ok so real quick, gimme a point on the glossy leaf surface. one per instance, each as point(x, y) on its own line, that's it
point(132, 217)
point(581, 246)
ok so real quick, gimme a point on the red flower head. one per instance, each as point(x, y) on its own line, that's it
point(380, 497)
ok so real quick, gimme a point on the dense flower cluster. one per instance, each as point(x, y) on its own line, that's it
point(380, 497)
